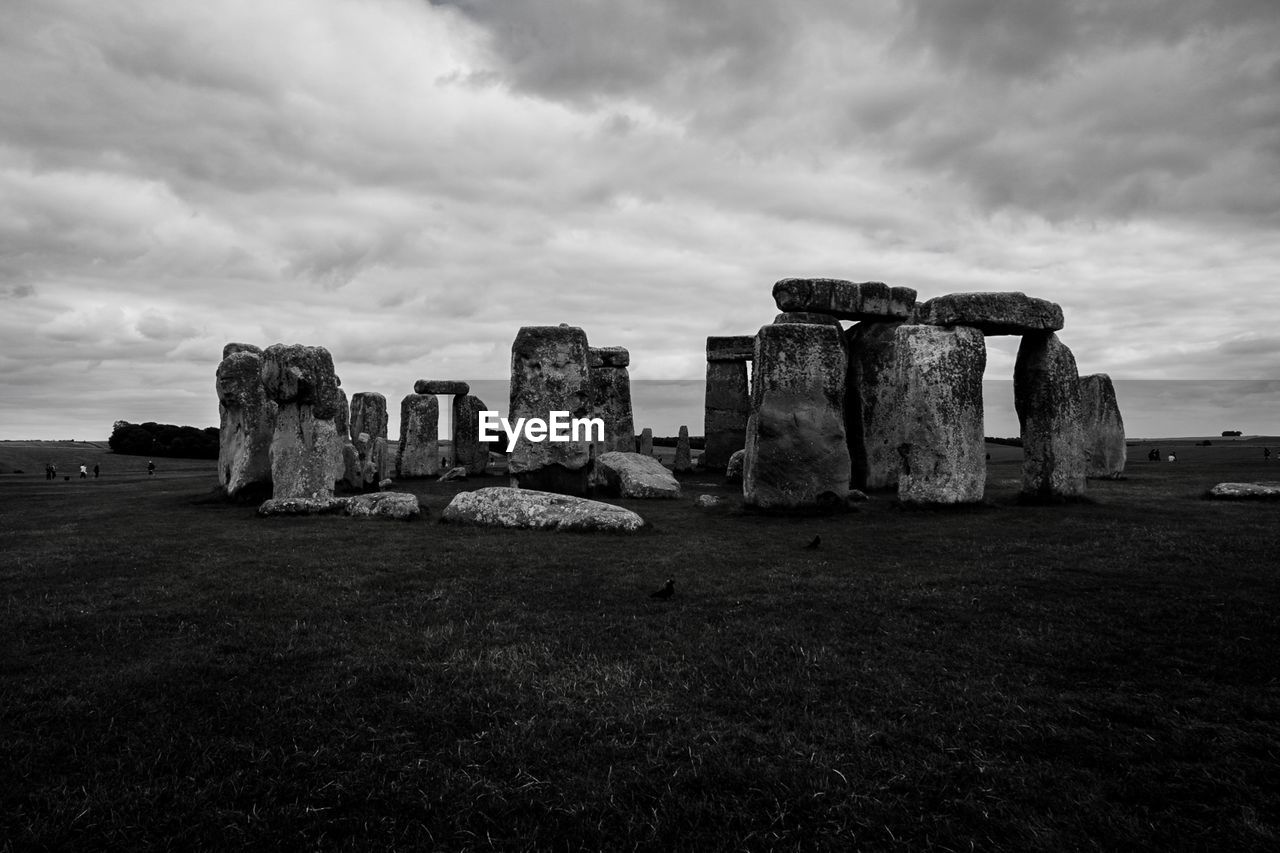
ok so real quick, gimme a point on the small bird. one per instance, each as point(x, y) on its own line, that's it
point(668, 590)
point(813, 546)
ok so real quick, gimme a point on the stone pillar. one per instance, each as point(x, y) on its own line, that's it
point(468, 450)
point(369, 417)
point(872, 410)
point(611, 398)
point(344, 451)
point(644, 442)
point(941, 450)
point(727, 399)
point(419, 452)
point(1046, 395)
point(683, 461)
point(247, 421)
point(300, 380)
point(550, 372)
point(797, 454)
point(1105, 452)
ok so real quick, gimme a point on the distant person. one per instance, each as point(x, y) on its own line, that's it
point(54, 470)
point(1154, 455)
point(1266, 454)
point(95, 471)
point(1173, 457)
point(151, 467)
point(84, 472)
point(48, 471)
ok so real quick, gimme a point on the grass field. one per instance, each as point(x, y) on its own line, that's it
point(179, 673)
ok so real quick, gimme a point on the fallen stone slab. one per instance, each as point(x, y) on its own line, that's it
point(456, 473)
point(1245, 492)
point(441, 386)
point(846, 300)
point(707, 501)
point(993, 313)
point(635, 475)
point(500, 506)
point(396, 505)
point(302, 506)
point(731, 348)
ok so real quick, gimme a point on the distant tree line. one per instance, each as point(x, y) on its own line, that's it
point(153, 439)
point(1231, 432)
point(696, 442)
point(1009, 442)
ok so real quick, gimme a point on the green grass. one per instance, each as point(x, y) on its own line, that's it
point(180, 673)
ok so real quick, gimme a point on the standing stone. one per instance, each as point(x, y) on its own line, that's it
point(368, 414)
point(247, 423)
point(872, 411)
point(644, 443)
point(342, 425)
point(733, 470)
point(611, 398)
point(727, 403)
point(797, 454)
point(1046, 395)
point(683, 461)
point(1105, 452)
point(230, 348)
point(419, 451)
point(469, 451)
point(550, 372)
point(941, 452)
point(300, 380)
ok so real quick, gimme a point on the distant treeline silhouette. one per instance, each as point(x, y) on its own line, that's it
point(1010, 442)
point(153, 439)
point(696, 442)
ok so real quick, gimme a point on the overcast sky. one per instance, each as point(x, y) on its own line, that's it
point(406, 183)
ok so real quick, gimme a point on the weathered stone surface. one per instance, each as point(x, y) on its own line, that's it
point(231, 348)
point(396, 505)
point(872, 410)
point(847, 300)
point(611, 402)
point(940, 446)
point(796, 453)
point(733, 469)
point(1103, 428)
point(707, 501)
point(609, 357)
point(644, 442)
point(442, 386)
point(808, 317)
point(301, 381)
point(247, 424)
point(634, 475)
point(993, 313)
point(1245, 492)
point(549, 372)
point(526, 508)
point(302, 506)
point(731, 348)
point(469, 451)
point(368, 414)
point(301, 375)
point(683, 461)
point(419, 452)
point(456, 473)
point(341, 426)
point(726, 409)
point(1046, 395)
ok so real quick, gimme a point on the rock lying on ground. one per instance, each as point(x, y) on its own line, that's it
point(395, 505)
point(500, 506)
point(1245, 491)
point(634, 475)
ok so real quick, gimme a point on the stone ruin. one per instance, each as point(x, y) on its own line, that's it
point(247, 422)
point(300, 379)
point(419, 454)
point(902, 389)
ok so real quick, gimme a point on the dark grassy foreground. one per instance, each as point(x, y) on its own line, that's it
point(179, 673)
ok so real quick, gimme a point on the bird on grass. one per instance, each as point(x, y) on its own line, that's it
point(668, 590)
point(813, 546)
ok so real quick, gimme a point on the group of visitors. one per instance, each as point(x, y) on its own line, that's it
point(1154, 455)
point(51, 471)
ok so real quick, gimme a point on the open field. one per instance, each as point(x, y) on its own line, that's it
point(180, 673)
